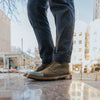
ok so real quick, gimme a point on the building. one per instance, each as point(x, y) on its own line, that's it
point(86, 49)
point(5, 40)
point(11, 58)
point(37, 60)
point(96, 9)
point(93, 46)
point(15, 49)
point(16, 60)
point(78, 52)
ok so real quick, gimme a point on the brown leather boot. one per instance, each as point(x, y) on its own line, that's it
point(55, 71)
point(40, 68)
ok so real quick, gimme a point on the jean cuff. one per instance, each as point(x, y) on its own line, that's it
point(47, 60)
point(62, 57)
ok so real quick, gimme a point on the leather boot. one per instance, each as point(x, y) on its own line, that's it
point(40, 68)
point(55, 71)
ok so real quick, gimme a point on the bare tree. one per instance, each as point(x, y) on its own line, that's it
point(9, 6)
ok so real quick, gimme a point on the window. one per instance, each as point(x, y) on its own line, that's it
point(74, 50)
point(80, 59)
point(80, 34)
point(80, 49)
point(87, 51)
point(74, 42)
point(74, 34)
point(74, 57)
point(80, 41)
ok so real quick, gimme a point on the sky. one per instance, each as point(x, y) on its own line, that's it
point(22, 28)
point(84, 8)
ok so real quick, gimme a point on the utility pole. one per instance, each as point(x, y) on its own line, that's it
point(22, 52)
point(22, 44)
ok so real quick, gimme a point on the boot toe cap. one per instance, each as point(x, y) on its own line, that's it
point(39, 74)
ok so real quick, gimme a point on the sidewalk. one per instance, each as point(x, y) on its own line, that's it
point(17, 87)
point(89, 79)
point(86, 76)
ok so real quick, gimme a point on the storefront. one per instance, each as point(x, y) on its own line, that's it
point(14, 60)
point(95, 67)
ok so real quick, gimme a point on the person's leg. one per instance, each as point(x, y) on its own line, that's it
point(63, 11)
point(37, 13)
point(64, 14)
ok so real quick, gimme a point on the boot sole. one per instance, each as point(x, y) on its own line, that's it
point(67, 77)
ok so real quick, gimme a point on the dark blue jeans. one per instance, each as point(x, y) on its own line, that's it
point(64, 15)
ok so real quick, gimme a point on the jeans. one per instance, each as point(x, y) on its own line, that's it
point(64, 15)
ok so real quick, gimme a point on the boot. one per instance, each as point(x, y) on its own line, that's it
point(55, 71)
point(40, 68)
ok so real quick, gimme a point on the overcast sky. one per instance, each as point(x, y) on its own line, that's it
point(22, 29)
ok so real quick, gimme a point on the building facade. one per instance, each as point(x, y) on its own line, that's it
point(93, 46)
point(77, 60)
point(87, 52)
point(37, 60)
point(96, 9)
point(5, 40)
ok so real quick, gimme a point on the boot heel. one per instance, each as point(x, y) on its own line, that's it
point(68, 77)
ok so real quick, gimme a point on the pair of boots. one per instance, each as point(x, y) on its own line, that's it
point(53, 71)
